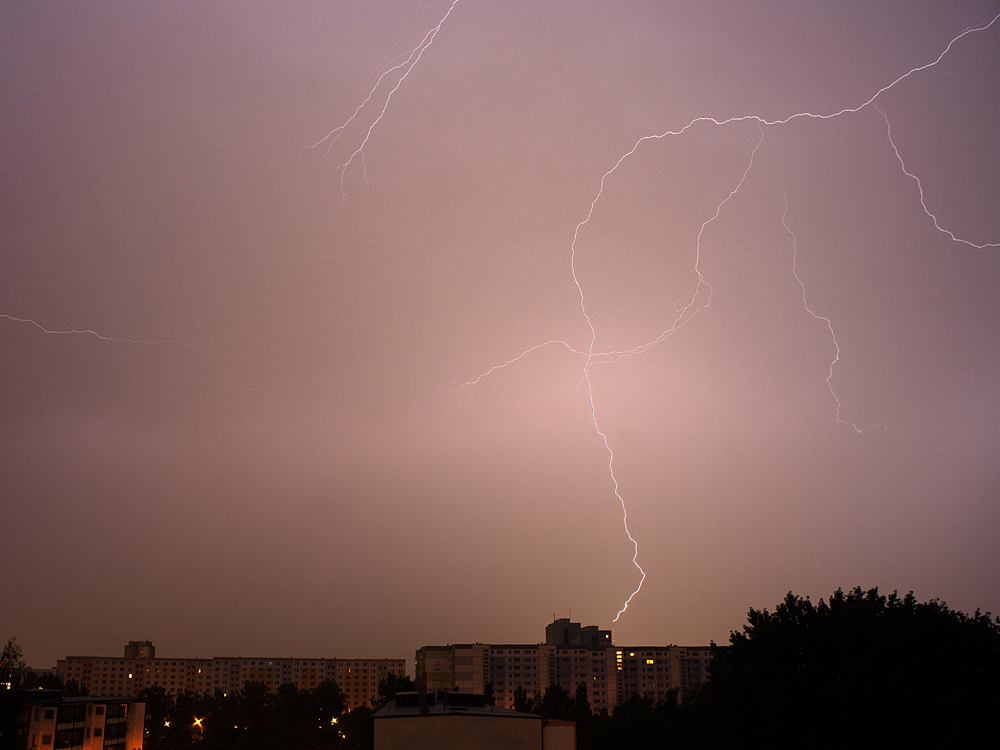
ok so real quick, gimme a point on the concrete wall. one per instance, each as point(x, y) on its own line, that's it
point(559, 735)
point(457, 732)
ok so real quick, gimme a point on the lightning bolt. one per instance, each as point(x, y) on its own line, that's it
point(116, 341)
point(14, 357)
point(682, 317)
point(824, 319)
point(702, 295)
point(63, 193)
point(920, 189)
point(407, 67)
point(518, 358)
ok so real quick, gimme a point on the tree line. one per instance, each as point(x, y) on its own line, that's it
point(860, 669)
point(254, 718)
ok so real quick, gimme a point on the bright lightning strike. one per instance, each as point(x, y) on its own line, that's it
point(682, 317)
point(702, 295)
point(824, 319)
point(116, 341)
point(407, 67)
point(518, 358)
point(160, 342)
point(920, 188)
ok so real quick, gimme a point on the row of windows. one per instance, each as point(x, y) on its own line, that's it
point(660, 653)
point(50, 712)
point(517, 659)
point(513, 651)
point(209, 662)
point(75, 672)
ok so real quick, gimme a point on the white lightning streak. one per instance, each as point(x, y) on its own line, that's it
point(522, 355)
point(826, 320)
point(14, 357)
point(159, 342)
point(678, 322)
point(920, 188)
point(336, 132)
point(63, 193)
point(610, 357)
point(686, 312)
point(414, 57)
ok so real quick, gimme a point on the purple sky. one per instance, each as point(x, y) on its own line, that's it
point(266, 441)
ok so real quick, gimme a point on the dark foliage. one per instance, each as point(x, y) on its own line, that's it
point(863, 669)
point(255, 719)
point(389, 685)
point(15, 676)
point(522, 701)
point(488, 697)
point(581, 705)
point(12, 674)
point(636, 723)
point(554, 703)
point(72, 688)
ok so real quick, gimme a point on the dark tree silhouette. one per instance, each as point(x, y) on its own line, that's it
point(555, 703)
point(522, 701)
point(389, 685)
point(330, 701)
point(13, 675)
point(488, 696)
point(358, 728)
point(862, 669)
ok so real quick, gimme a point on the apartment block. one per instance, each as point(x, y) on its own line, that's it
point(574, 655)
point(128, 676)
point(88, 723)
point(535, 668)
point(508, 666)
point(562, 632)
point(654, 670)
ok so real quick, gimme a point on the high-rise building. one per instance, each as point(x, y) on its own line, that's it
point(128, 676)
point(562, 632)
point(652, 671)
point(140, 650)
point(572, 655)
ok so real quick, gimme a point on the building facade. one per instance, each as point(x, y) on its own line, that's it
point(653, 671)
point(611, 673)
point(128, 676)
point(86, 723)
point(562, 632)
point(458, 720)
